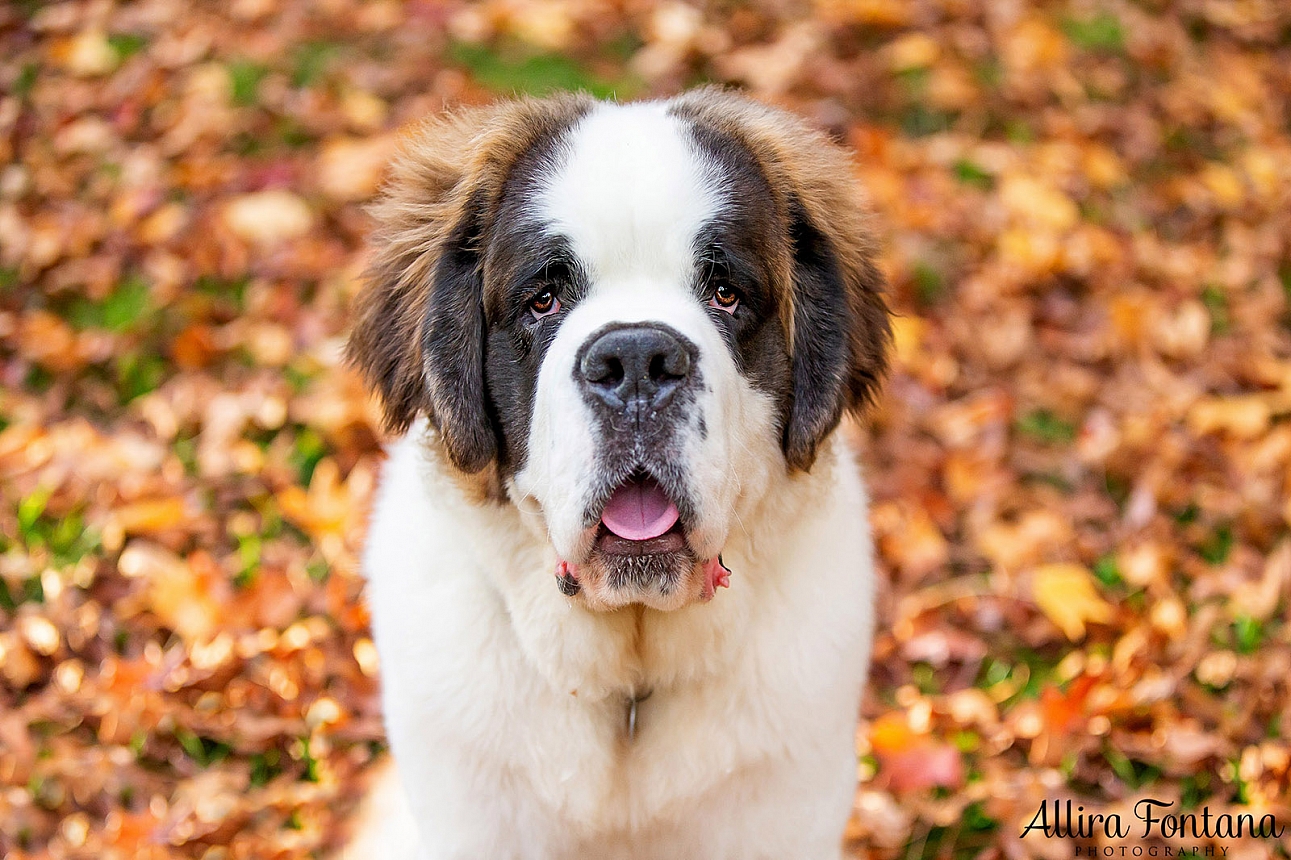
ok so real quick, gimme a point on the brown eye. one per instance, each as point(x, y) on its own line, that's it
point(725, 298)
point(544, 304)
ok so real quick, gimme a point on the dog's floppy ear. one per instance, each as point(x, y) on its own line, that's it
point(840, 331)
point(417, 336)
point(418, 331)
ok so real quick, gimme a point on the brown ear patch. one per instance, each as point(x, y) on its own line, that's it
point(417, 331)
point(831, 298)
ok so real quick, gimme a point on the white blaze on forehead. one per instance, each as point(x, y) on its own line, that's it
point(631, 192)
point(631, 195)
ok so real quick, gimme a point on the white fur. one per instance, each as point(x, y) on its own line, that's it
point(505, 701)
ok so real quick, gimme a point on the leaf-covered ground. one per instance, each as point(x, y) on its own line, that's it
point(1081, 470)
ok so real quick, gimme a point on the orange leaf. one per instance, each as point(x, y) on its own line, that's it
point(1066, 594)
point(891, 734)
point(150, 515)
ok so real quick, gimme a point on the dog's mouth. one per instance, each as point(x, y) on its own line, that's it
point(640, 553)
point(640, 519)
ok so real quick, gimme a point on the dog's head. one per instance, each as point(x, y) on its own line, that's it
point(627, 320)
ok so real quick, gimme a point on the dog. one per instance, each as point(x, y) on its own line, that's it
point(618, 564)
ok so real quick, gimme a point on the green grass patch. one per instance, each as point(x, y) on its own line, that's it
point(204, 751)
point(38, 380)
point(244, 81)
point(249, 549)
point(513, 71)
point(974, 834)
point(989, 72)
point(26, 80)
point(265, 766)
point(919, 120)
point(13, 595)
point(244, 144)
point(914, 81)
point(1248, 633)
point(126, 45)
point(318, 570)
point(1118, 489)
point(65, 538)
point(293, 134)
point(1103, 33)
point(1044, 426)
point(231, 295)
point(1195, 789)
point(137, 374)
point(123, 310)
point(1241, 793)
point(929, 285)
point(1217, 545)
point(310, 61)
point(972, 174)
point(29, 512)
point(1135, 774)
point(1018, 131)
point(976, 820)
point(1217, 306)
point(311, 763)
point(1108, 572)
point(306, 453)
point(1029, 671)
point(185, 448)
point(925, 678)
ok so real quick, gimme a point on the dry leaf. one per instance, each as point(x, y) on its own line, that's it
point(1066, 594)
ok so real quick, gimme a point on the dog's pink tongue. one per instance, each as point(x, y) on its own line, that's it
point(639, 510)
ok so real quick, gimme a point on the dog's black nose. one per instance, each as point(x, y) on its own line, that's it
point(634, 368)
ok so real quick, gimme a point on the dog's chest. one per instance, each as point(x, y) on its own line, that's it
point(613, 767)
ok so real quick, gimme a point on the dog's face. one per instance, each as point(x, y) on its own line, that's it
point(628, 320)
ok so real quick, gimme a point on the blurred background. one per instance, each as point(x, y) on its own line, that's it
point(1081, 468)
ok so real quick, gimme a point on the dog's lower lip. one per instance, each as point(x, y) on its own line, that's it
point(670, 541)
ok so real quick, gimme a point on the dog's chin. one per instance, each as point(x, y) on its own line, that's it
point(660, 573)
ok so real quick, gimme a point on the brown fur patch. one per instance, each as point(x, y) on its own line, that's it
point(812, 176)
point(803, 165)
point(445, 167)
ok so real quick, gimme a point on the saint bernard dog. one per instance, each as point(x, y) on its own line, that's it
point(619, 567)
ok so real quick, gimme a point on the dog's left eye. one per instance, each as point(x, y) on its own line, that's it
point(544, 304)
point(725, 298)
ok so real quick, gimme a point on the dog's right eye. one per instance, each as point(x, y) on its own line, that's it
point(553, 278)
point(544, 304)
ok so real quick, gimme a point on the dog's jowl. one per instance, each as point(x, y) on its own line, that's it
point(619, 565)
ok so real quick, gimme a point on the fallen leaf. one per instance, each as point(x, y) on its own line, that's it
point(268, 217)
point(1066, 594)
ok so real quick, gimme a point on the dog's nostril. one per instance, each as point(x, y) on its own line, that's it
point(601, 368)
point(614, 371)
point(670, 365)
point(607, 370)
